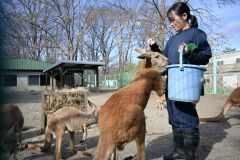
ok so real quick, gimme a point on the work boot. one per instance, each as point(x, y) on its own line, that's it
point(191, 144)
point(178, 149)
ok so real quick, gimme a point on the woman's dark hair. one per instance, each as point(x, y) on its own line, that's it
point(180, 8)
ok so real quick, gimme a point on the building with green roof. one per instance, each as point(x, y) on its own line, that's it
point(23, 64)
point(23, 74)
point(27, 75)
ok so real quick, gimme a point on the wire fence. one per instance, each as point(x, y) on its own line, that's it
point(116, 80)
point(225, 82)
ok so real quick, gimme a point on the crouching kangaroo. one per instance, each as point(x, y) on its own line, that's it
point(70, 119)
point(11, 125)
point(232, 100)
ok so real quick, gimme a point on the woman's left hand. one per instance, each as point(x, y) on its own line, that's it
point(183, 45)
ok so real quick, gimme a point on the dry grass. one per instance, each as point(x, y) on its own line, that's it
point(75, 97)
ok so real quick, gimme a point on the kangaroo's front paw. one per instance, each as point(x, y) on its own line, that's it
point(84, 154)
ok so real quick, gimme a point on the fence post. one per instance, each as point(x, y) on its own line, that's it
point(214, 75)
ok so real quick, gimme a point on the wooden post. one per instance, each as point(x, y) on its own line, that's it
point(43, 116)
point(97, 75)
point(61, 78)
point(52, 83)
point(46, 80)
point(82, 78)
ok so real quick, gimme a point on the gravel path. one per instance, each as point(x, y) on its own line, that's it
point(219, 141)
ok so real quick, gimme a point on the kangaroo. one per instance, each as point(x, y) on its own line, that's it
point(70, 119)
point(161, 101)
point(121, 119)
point(10, 130)
point(232, 100)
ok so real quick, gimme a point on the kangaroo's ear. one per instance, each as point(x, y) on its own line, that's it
point(143, 56)
point(141, 50)
point(144, 53)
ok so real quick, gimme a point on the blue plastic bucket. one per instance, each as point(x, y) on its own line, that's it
point(185, 81)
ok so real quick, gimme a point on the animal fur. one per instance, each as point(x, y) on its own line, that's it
point(161, 101)
point(10, 130)
point(66, 119)
point(232, 100)
point(121, 119)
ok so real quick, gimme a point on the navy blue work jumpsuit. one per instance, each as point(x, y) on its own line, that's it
point(183, 115)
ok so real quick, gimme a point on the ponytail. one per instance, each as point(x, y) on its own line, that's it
point(193, 21)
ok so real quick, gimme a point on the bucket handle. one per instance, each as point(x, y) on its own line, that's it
point(181, 58)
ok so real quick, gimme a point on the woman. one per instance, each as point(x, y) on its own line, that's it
point(183, 115)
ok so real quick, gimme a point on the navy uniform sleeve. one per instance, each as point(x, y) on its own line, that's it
point(155, 48)
point(203, 53)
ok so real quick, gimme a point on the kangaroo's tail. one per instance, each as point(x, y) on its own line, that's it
point(219, 117)
point(213, 119)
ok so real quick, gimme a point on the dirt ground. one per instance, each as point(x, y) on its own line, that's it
point(219, 141)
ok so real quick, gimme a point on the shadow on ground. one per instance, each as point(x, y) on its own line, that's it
point(17, 97)
point(211, 133)
point(32, 155)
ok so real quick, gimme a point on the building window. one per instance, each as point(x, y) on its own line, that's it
point(33, 80)
point(219, 63)
point(238, 60)
point(10, 80)
point(43, 80)
point(1, 80)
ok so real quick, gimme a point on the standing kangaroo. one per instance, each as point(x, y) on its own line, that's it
point(11, 125)
point(121, 118)
point(70, 119)
point(232, 100)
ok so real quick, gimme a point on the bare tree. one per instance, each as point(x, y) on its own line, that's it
point(71, 17)
point(94, 30)
point(21, 20)
point(153, 23)
point(102, 34)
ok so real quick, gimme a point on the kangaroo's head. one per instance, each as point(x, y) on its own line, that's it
point(94, 107)
point(155, 58)
point(155, 78)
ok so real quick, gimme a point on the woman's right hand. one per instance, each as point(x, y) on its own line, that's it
point(150, 41)
point(183, 46)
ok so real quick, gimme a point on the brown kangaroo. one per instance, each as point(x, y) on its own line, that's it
point(70, 119)
point(11, 125)
point(232, 100)
point(121, 118)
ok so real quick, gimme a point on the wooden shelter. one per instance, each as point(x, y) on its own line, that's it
point(66, 67)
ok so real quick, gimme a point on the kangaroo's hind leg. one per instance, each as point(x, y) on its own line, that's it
point(72, 144)
point(59, 137)
point(140, 142)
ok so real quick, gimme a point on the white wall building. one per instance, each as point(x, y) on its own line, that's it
point(23, 75)
point(227, 71)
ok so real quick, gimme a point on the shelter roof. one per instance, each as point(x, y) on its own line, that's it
point(74, 65)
